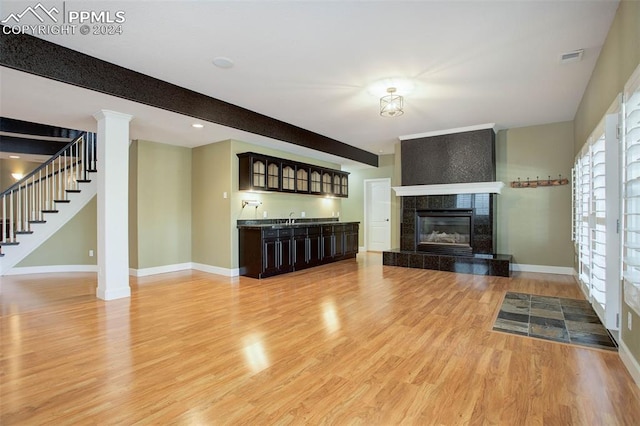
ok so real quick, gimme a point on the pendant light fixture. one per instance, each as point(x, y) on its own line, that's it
point(391, 105)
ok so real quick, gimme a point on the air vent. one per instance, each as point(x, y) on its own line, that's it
point(574, 56)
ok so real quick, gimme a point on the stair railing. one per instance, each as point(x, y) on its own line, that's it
point(26, 201)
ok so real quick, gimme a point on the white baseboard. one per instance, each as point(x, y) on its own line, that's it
point(51, 269)
point(362, 249)
point(159, 269)
point(630, 362)
point(216, 270)
point(560, 270)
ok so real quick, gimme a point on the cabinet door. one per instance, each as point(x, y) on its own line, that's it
point(269, 257)
point(284, 255)
point(327, 243)
point(344, 185)
point(299, 252)
point(273, 176)
point(258, 173)
point(327, 182)
point(337, 185)
point(288, 177)
point(351, 243)
point(339, 241)
point(315, 253)
point(315, 182)
point(302, 179)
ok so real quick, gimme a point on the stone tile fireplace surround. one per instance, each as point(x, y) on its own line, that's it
point(439, 175)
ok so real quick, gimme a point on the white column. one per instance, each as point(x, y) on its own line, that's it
point(113, 204)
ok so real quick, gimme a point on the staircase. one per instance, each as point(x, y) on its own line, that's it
point(35, 207)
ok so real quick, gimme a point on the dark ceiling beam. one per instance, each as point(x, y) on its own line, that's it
point(30, 146)
point(40, 57)
point(11, 125)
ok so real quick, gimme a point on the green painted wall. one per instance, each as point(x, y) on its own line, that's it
point(618, 59)
point(163, 204)
point(71, 244)
point(214, 218)
point(353, 207)
point(133, 205)
point(534, 224)
point(210, 211)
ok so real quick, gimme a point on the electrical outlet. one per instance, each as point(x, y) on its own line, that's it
point(90, 253)
point(224, 194)
point(629, 320)
point(333, 214)
point(338, 214)
point(302, 214)
point(264, 215)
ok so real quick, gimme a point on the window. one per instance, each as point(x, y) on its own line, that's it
point(631, 192)
point(596, 210)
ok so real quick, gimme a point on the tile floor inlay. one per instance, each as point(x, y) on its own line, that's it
point(553, 318)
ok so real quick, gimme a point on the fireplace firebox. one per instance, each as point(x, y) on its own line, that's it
point(445, 231)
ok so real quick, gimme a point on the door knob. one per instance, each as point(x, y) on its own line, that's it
point(387, 220)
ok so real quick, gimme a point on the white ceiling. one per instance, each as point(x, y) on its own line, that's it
point(319, 64)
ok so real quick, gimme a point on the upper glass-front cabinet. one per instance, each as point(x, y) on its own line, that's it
point(288, 177)
point(265, 173)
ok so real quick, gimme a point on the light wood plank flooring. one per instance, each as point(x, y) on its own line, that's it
point(346, 343)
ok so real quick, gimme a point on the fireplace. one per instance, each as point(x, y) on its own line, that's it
point(449, 199)
point(470, 216)
point(444, 231)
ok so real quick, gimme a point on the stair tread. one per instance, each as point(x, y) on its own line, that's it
point(23, 232)
point(61, 201)
point(92, 170)
point(83, 180)
point(37, 221)
point(50, 211)
point(9, 243)
point(72, 190)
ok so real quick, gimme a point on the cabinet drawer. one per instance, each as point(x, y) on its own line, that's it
point(327, 229)
point(269, 233)
point(285, 232)
point(314, 230)
point(300, 231)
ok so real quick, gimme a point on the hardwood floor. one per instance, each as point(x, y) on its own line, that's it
point(345, 343)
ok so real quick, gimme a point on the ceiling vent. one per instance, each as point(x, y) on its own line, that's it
point(574, 56)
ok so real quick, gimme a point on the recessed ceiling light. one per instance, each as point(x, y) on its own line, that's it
point(197, 125)
point(222, 62)
point(14, 156)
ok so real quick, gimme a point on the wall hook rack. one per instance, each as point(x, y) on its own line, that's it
point(539, 182)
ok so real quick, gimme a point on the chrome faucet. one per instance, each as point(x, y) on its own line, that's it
point(291, 221)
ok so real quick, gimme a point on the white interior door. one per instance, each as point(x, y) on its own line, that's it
point(377, 214)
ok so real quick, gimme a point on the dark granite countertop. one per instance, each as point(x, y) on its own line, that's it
point(283, 223)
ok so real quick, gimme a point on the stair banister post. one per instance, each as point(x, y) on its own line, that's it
point(113, 204)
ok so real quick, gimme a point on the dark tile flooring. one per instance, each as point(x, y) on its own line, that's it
point(553, 318)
